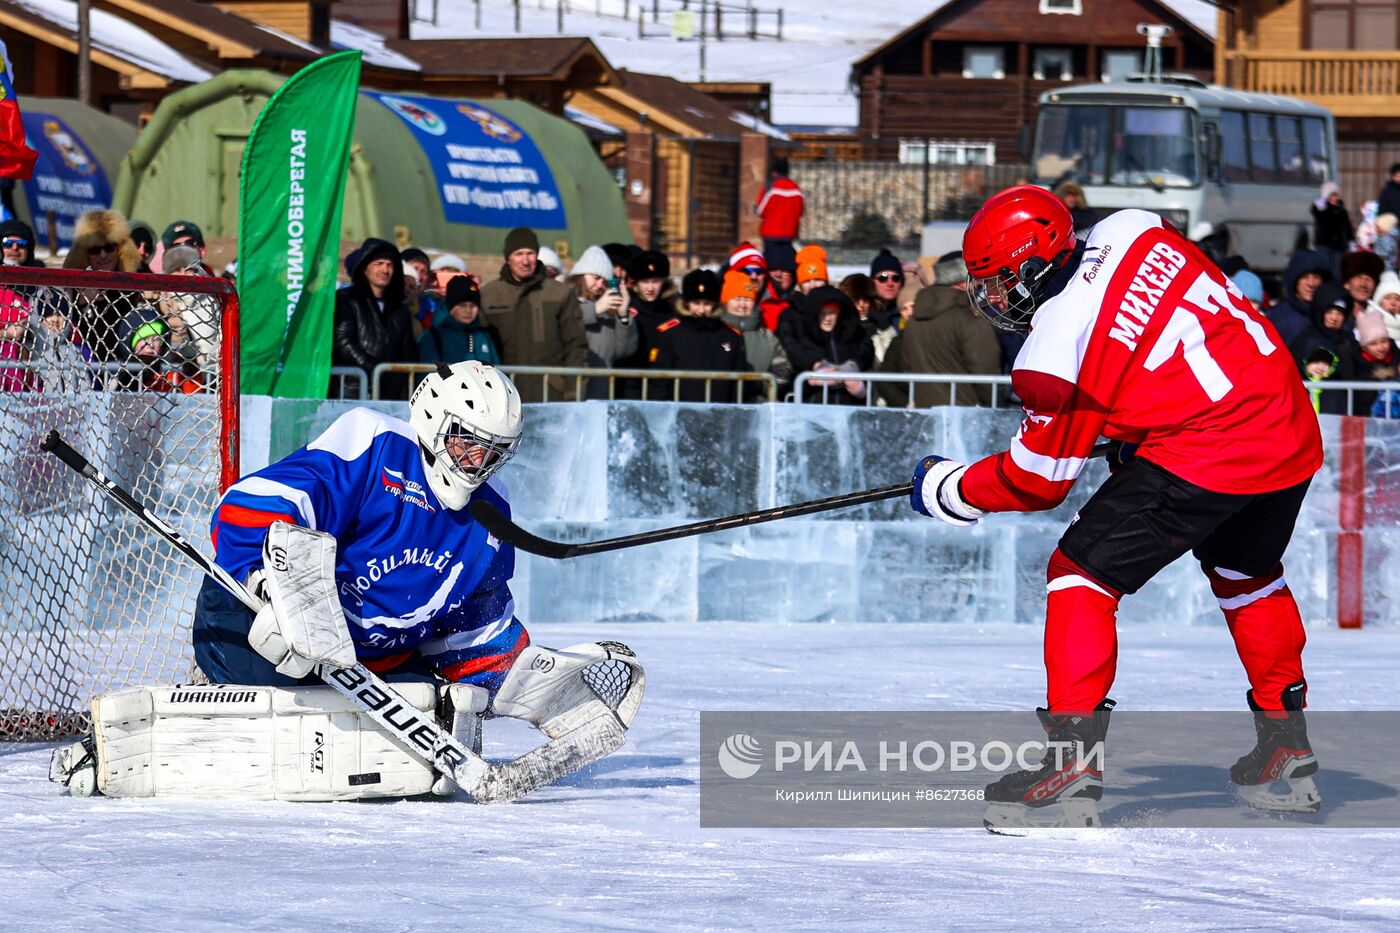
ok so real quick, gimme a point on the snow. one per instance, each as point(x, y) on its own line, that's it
point(809, 69)
point(349, 36)
point(589, 122)
point(120, 38)
point(620, 846)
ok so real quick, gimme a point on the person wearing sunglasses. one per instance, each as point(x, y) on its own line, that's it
point(887, 273)
point(102, 243)
point(17, 244)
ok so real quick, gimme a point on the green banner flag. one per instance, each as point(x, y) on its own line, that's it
point(293, 184)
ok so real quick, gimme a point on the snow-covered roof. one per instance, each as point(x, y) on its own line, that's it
point(589, 122)
point(750, 122)
point(349, 36)
point(119, 38)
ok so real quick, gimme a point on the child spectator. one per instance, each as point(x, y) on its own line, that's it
point(458, 333)
point(1387, 241)
point(1387, 298)
point(1378, 359)
point(14, 343)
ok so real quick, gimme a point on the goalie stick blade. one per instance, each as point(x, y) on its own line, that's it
point(503, 529)
point(551, 761)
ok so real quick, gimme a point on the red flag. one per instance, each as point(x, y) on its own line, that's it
point(16, 158)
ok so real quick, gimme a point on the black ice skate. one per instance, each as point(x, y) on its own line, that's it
point(1277, 774)
point(1065, 790)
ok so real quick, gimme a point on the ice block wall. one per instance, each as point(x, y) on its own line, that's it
point(599, 469)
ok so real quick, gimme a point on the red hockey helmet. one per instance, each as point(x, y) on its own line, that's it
point(1013, 247)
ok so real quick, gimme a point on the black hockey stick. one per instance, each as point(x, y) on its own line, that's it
point(495, 521)
point(418, 733)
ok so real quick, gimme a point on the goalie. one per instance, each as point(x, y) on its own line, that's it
point(363, 550)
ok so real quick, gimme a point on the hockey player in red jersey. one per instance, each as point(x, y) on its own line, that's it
point(1135, 336)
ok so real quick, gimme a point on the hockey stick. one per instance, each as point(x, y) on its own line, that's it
point(503, 529)
point(416, 732)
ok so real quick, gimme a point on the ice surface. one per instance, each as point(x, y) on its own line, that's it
point(602, 469)
point(620, 846)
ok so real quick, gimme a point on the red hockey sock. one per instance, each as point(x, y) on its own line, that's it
point(1081, 637)
point(1266, 626)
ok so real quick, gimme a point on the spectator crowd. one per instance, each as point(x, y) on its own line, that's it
point(774, 310)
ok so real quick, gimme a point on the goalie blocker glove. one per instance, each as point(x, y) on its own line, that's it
point(936, 492)
point(302, 623)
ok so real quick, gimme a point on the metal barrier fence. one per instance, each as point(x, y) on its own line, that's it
point(826, 382)
point(348, 382)
point(583, 376)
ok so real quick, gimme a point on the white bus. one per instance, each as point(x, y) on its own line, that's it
point(1196, 154)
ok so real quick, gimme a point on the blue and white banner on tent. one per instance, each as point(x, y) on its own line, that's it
point(68, 180)
point(489, 171)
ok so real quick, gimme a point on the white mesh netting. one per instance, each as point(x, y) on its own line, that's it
point(133, 379)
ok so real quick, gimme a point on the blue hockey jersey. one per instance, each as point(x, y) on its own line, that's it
point(412, 575)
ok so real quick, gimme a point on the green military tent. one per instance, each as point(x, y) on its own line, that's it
point(80, 149)
point(441, 173)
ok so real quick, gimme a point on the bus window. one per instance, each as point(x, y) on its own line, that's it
point(1071, 144)
point(1263, 166)
point(1157, 147)
point(1233, 151)
point(1290, 150)
point(1315, 150)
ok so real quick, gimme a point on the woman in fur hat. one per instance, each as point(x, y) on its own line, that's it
point(102, 242)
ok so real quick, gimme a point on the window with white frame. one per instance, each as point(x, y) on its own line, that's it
point(947, 152)
point(1118, 64)
point(1052, 64)
point(1071, 7)
point(984, 61)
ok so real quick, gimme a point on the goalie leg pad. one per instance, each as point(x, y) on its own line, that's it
point(236, 742)
point(461, 709)
point(559, 691)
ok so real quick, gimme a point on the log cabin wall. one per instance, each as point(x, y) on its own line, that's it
point(974, 69)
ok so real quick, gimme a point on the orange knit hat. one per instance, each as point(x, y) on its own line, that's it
point(737, 285)
point(811, 264)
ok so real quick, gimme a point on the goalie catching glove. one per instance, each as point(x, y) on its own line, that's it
point(937, 493)
point(301, 623)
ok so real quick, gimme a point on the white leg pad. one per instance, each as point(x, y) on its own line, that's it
point(465, 706)
point(255, 743)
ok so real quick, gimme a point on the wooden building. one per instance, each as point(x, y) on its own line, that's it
point(1342, 54)
point(692, 166)
point(142, 50)
point(967, 76)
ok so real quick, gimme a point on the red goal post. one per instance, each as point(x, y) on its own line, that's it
point(140, 374)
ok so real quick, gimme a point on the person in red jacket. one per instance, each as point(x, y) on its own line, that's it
point(780, 206)
point(1136, 336)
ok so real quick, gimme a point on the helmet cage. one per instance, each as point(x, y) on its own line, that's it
point(1008, 300)
point(454, 444)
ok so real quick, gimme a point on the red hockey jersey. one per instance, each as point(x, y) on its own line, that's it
point(781, 209)
point(1151, 344)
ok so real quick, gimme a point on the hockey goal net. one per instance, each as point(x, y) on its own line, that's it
point(138, 373)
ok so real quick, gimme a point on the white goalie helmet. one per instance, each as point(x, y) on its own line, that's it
point(467, 419)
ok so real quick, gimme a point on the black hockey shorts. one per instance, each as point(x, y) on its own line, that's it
point(1144, 518)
